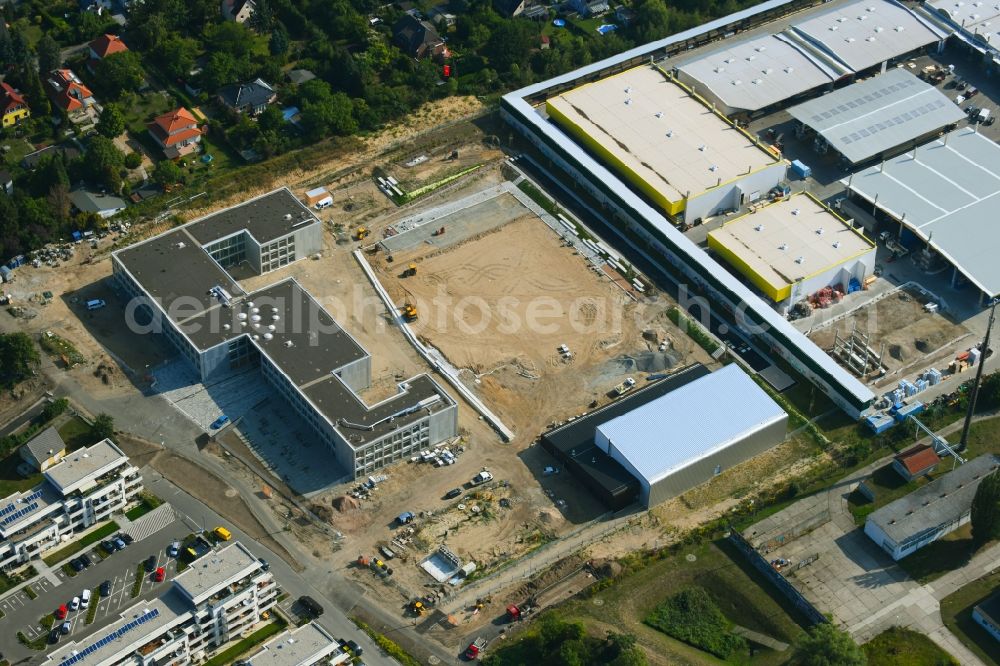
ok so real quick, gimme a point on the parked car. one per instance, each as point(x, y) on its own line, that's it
point(160, 574)
point(355, 649)
point(453, 493)
point(54, 636)
point(222, 534)
point(61, 612)
point(264, 564)
point(219, 422)
point(310, 606)
point(127, 538)
point(85, 599)
point(106, 588)
point(66, 626)
point(150, 563)
point(77, 564)
point(74, 603)
point(85, 559)
point(174, 549)
point(109, 546)
point(119, 543)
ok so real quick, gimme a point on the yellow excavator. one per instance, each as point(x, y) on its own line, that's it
point(361, 233)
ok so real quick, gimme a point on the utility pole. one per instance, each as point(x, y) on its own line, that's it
point(974, 393)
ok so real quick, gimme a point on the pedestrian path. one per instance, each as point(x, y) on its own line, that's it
point(45, 572)
point(152, 522)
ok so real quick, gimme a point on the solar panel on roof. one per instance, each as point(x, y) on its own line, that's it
point(7, 509)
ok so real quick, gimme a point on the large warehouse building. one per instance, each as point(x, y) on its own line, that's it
point(945, 195)
point(868, 34)
point(974, 22)
point(753, 76)
point(671, 438)
point(687, 159)
point(877, 117)
point(645, 227)
point(185, 280)
point(794, 247)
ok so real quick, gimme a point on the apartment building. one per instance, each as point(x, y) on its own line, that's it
point(308, 645)
point(187, 280)
point(86, 487)
point(222, 597)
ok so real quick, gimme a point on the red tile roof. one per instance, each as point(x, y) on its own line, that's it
point(105, 45)
point(9, 97)
point(69, 94)
point(918, 459)
point(174, 127)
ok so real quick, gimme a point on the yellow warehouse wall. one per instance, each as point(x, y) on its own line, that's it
point(672, 208)
point(776, 292)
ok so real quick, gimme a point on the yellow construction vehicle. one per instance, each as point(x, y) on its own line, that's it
point(361, 233)
point(410, 271)
point(409, 311)
point(417, 607)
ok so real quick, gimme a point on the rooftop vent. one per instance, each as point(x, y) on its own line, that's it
point(288, 216)
point(180, 245)
point(796, 211)
point(759, 227)
point(879, 28)
point(899, 28)
point(789, 70)
point(289, 343)
point(713, 168)
point(800, 260)
point(730, 61)
point(719, 70)
point(820, 231)
point(842, 19)
point(702, 147)
point(736, 82)
point(268, 336)
point(226, 327)
point(758, 81)
point(836, 246)
point(833, 28)
point(783, 247)
point(628, 91)
point(869, 39)
point(659, 114)
point(628, 100)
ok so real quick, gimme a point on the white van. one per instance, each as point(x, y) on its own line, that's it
point(85, 599)
point(95, 304)
point(983, 115)
point(325, 202)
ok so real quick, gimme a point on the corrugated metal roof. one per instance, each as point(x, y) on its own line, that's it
point(868, 32)
point(755, 73)
point(691, 423)
point(949, 191)
point(873, 116)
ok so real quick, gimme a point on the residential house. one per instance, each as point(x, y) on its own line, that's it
point(6, 182)
point(237, 10)
point(44, 450)
point(509, 8)
point(105, 205)
point(177, 133)
point(624, 15)
point(917, 461)
point(12, 105)
point(249, 98)
point(987, 615)
point(590, 7)
point(102, 47)
point(68, 93)
point(418, 38)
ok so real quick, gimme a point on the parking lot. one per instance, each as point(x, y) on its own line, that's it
point(25, 615)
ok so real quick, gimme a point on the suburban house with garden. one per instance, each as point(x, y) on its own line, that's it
point(12, 105)
point(104, 46)
point(237, 10)
point(251, 98)
point(176, 132)
point(69, 94)
point(418, 39)
point(44, 450)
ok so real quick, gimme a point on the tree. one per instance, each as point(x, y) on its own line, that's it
point(262, 17)
point(106, 161)
point(104, 427)
point(6, 43)
point(166, 172)
point(278, 44)
point(111, 122)
point(175, 55)
point(986, 511)
point(18, 358)
point(825, 645)
point(133, 160)
point(49, 54)
point(120, 73)
point(510, 44)
point(324, 111)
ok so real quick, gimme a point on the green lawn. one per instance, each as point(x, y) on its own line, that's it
point(903, 647)
point(10, 481)
point(148, 502)
point(984, 437)
point(888, 486)
point(18, 149)
point(229, 656)
point(81, 543)
point(623, 606)
point(76, 433)
point(956, 611)
point(143, 108)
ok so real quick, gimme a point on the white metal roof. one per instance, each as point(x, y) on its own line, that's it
point(868, 32)
point(791, 239)
point(659, 132)
point(755, 73)
point(949, 192)
point(979, 18)
point(870, 117)
point(691, 423)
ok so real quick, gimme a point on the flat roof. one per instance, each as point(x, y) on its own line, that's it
point(975, 16)
point(755, 73)
point(790, 240)
point(686, 425)
point(215, 571)
point(176, 272)
point(942, 501)
point(23, 509)
point(360, 423)
point(870, 117)
point(659, 132)
point(137, 625)
point(84, 465)
point(266, 218)
point(990, 609)
point(949, 192)
point(866, 33)
point(304, 645)
point(306, 343)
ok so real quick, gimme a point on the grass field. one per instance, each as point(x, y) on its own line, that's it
point(956, 611)
point(903, 647)
point(10, 481)
point(76, 433)
point(888, 486)
point(623, 606)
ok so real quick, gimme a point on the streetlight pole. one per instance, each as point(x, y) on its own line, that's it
point(974, 393)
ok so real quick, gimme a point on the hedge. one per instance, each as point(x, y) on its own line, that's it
point(692, 616)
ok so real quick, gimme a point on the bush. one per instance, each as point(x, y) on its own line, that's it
point(692, 616)
point(133, 160)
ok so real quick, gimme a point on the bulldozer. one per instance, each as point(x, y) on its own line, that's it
point(361, 233)
point(410, 271)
